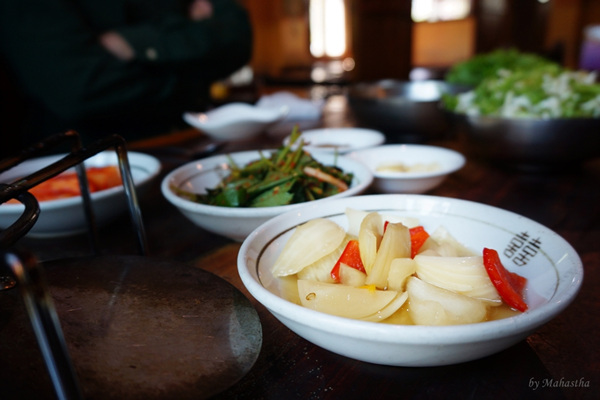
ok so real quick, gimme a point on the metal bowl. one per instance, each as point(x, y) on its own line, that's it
point(530, 143)
point(405, 111)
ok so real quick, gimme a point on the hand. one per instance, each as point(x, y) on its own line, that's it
point(200, 9)
point(117, 46)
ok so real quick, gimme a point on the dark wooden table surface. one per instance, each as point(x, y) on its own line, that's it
point(561, 360)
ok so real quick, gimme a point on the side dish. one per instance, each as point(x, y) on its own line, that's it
point(417, 167)
point(67, 184)
point(286, 176)
point(510, 84)
point(390, 269)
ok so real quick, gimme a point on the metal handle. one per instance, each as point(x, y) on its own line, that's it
point(75, 159)
point(42, 313)
point(28, 272)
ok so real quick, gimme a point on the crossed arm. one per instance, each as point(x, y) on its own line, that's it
point(118, 46)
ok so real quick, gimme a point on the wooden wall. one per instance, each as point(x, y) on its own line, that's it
point(440, 44)
point(281, 35)
point(566, 23)
point(553, 29)
point(379, 37)
point(384, 44)
point(382, 39)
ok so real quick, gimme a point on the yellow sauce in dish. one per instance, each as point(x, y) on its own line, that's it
point(400, 167)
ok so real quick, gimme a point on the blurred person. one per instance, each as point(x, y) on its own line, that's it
point(130, 67)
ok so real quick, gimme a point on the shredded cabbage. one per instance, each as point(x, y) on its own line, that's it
point(544, 92)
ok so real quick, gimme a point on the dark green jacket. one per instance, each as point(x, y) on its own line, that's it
point(51, 47)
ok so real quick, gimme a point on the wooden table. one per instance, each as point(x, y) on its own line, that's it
point(563, 353)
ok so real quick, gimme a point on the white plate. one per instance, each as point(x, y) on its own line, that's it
point(66, 216)
point(235, 121)
point(342, 140)
point(551, 265)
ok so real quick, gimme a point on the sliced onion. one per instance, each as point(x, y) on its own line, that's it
point(400, 270)
point(431, 305)
point(320, 270)
point(394, 244)
point(309, 242)
point(342, 300)
point(409, 222)
point(351, 276)
point(449, 245)
point(389, 310)
point(355, 218)
point(464, 275)
point(369, 238)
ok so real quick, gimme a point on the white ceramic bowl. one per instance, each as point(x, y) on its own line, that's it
point(66, 216)
point(237, 223)
point(554, 275)
point(342, 140)
point(235, 121)
point(411, 155)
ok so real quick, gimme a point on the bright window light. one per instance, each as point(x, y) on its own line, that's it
point(439, 10)
point(327, 28)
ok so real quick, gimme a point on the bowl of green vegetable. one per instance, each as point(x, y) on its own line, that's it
point(544, 117)
point(232, 194)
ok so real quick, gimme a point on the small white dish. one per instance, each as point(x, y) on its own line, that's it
point(340, 140)
point(64, 217)
point(554, 272)
point(237, 222)
point(427, 166)
point(301, 109)
point(236, 121)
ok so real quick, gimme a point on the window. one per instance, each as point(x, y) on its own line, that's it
point(439, 10)
point(327, 28)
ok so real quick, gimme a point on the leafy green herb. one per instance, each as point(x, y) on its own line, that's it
point(286, 176)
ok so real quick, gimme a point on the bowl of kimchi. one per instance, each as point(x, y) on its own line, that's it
point(409, 280)
point(59, 198)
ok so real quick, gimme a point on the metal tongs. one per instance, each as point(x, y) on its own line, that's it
point(28, 272)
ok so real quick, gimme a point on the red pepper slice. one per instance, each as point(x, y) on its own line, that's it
point(508, 284)
point(418, 236)
point(351, 257)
